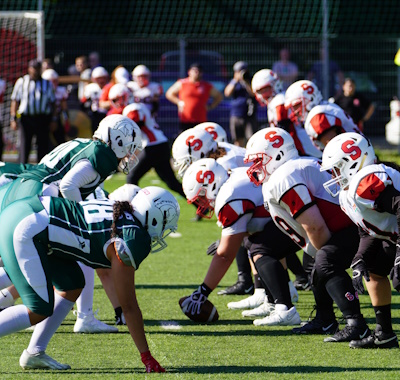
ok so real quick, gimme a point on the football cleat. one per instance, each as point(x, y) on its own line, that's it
point(40, 361)
point(302, 284)
point(281, 316)
point(88, 324)
point(241, 287)
point(355, 329)
point(378, 339)
point(265, 309)
point(317, 326)
point(251, 302)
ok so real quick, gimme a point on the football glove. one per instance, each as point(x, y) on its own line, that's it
point(395, 272)
point(359, 271)
point(212, 249)
point(194, 303)
point(151, 364)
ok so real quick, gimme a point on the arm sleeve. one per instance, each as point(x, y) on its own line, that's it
point(81, 174)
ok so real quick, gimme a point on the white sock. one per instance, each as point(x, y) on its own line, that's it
point(5, 281)
point(84, 303)
point(46, 329)
point(6, 299)
point(13, 319)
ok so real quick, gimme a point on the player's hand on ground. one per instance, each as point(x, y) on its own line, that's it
point(359, 271)
point(194, 303)
point(151, 364)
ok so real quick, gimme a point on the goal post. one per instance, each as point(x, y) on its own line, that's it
point(21, 39)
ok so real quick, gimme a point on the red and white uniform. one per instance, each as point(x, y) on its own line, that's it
point(233, 158)
point(151, 132)
point(277, 112)
point(60, 94)
point(359, 201)
point(239, 205)
point(145, 94)
point(92, 92)
point(324, 116)
point(293, 188)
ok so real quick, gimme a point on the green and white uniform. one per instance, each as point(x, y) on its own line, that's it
point(45, 178)
point(43, 238)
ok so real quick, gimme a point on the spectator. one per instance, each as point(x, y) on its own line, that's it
point(145, 91)
point(243, 113)
point(33, 101)
point(336, 77)
point(57, 136)
point(2, 92)
point(191, 95)
point(355, 103)
point(119, 75)
point(91, 96)
point(94, 60)
point(286, 70)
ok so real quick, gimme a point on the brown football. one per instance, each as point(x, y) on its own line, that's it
point(208, 312)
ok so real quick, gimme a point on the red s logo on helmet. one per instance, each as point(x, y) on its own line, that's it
point(353, 151)
point(276, 140)
point(307, 88)
point(200, 176)
point(212, 132)
point(194, 144)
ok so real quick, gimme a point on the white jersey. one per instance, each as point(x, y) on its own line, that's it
point(358, 202)
point(293, 188)
point(92, 92)
point(233, 158)
point(325, 116)
point(145, 94)
point(239, 205)
point(60, 94)
point(277, 112)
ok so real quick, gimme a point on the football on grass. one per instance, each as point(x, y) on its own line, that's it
point(208, 312)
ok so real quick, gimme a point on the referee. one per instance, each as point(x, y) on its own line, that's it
point(33, 101)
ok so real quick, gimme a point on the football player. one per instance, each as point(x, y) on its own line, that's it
point(74, 170)
point(100, 233)
point(238, 204)
point(369, 193)
point(293, 188)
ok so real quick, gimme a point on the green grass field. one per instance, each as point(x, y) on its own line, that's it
point(232, 348)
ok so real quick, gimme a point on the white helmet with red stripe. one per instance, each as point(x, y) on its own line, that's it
point(345, 155)
point(268, 149)
point(138, 112)
point(265, 85)
point(201, 183)
point(190, 146)
point(300, 98)
point(319, 121)
point(218, 133)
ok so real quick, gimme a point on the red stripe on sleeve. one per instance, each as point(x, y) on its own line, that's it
point(293, 200)
point(370, 187)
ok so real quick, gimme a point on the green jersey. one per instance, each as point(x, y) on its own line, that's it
point(53, 167)
point(82, 231)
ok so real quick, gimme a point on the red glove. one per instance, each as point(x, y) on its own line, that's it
point(151, 364)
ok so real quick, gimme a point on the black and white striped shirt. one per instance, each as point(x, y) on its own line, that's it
point(34, 97)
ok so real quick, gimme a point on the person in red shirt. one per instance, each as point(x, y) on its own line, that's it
point(192, 95)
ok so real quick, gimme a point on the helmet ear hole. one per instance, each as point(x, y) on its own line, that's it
point(154, 222)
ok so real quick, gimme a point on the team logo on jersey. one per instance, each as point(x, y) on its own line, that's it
point(350, 296)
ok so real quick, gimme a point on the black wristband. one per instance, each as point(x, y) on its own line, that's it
point(13, 118)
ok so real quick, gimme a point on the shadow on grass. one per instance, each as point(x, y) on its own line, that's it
point(218, 370)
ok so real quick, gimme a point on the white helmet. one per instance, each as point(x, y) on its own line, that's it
point(119, 94)
point(121, 75)
point(318, 122)
point(123, 136)
point(261, 81)
point(218, 133)
point(99, 72)
point(201, 183)
point(139, 113)
point(124, 193)
point(158, 211)
point(140, 70)
point(345, 155)
point(190, 146)
point(300, 98)
point(268, 149)
point(49, 74)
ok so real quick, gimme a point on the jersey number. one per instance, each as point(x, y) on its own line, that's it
point(294, 235)
point(98, 211)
